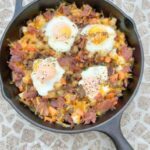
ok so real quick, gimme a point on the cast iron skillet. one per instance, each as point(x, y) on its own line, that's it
point(108, 123)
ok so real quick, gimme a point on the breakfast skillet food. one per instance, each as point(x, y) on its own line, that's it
point(71, 65)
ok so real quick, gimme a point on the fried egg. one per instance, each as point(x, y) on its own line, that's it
point(46, 72)
point(92, 78)
point(99, 38)
point(61, 33)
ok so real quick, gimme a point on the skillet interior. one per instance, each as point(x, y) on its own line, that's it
point(13, 33)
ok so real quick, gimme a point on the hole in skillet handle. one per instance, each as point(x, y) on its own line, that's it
point(113, 130)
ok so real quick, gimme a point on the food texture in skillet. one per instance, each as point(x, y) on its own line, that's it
point(90, 55)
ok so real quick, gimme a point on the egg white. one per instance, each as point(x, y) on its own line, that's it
point(44, 88)
point(100, 72)
point(57, 45)
point(106, 45)
point(96, 71)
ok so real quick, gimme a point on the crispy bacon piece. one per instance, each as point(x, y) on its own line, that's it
point(113, 78)
point(81, 92)
point(66, 61)
point(89, 117)
point(17, 76)
point(110, 70)
point(106, 105)
point(32, 30)
point(30, 93)
point(15, 58)
point(69, 62)
point(98, 97)
point(86, 10)
point(15, 68)
point(127, 69)
point(16, 50)
point(43, 107)
point(68, 119)
point(59, 103)
point(66, 10)
point(81, 42)
point(48, 15)
point(126, 52)
point(63, 9)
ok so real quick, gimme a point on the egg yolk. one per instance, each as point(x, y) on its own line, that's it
point(45, 72)
point(97, 35)
point(62, 31)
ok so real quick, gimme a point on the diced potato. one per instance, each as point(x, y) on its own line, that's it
point(76, 118)
point(27, 79)
point(52, 111)
point(104, 89)
point(39, 22)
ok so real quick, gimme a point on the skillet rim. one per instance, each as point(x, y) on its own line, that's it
point(92, 126)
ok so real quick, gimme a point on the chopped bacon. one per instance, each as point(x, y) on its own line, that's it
point(126, 52)
point(15, 58)
point(59, 103)
point(70, 62)
point(42, 108)
point(32, 30)
point(105, 105)
point(66, 10)
point(54, 103)
point(89, 117)
point(16, 50)
point(81, 92)
point(70, 89)
point(15, 68)
point(81, 42)
point(82, 57)
point(30, 93)
point(17, 46)
point(48, 15)
point(113, 78)
point(86, 10)
point(116, 38)
point(68, 119)
point(127, 69)
point(110, 70)
point(94, 15)
point(98, 97)
point(17, 76)
point(66, 61)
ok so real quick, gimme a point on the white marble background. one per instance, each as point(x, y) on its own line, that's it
point(17, 134)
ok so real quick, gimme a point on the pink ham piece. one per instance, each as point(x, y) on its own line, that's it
point(30, 94)
point(89, 117)
point(126, 52)
point(48, 15)
point(59, 103)
point(32, 30)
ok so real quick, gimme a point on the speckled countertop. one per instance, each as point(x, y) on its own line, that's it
point(17, 134)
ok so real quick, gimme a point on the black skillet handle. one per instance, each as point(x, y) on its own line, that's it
point(113, 130)
point(18, 7)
